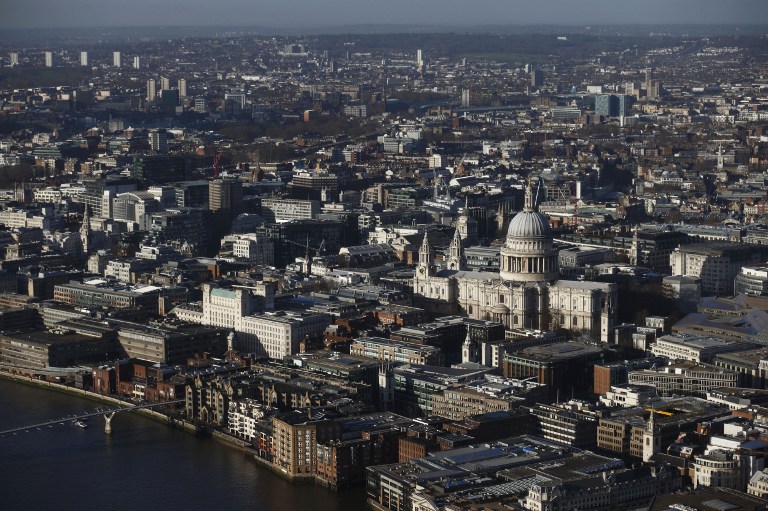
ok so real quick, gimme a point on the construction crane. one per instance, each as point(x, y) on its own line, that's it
point(216, 160)
point(319, 251)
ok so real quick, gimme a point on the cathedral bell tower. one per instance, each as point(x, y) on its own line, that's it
point(426, 258)
point(456, 253)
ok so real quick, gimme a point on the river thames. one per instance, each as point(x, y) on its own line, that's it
point(142, 465)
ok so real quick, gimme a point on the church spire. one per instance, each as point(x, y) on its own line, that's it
point(85, 231)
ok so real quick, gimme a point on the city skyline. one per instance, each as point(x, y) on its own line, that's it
point(87, 13)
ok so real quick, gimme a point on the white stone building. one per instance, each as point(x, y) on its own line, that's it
point(526, 293)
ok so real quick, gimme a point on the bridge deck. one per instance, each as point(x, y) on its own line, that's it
point(70, 418)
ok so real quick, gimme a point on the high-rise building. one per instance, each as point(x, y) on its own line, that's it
point(237, 97)
point(169, 100)
point(165, 83)
point(49, 59)
point(182, 88)
point(158, 141)
point(652, 87)
point(648, 74)
point(606, 105)
point(537, 78)
point(137, 62)
point(201, 105)
point(14, 58)
point(419, 59)
point(465, 98)
point(83, 58)
point(151, 90)
point(625, 104)
point(116, 61)
point(609, 105)
point(225, 194)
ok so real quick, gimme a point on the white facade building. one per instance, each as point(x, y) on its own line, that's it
point(526, 292)
point(695, 348)
point(264, 334)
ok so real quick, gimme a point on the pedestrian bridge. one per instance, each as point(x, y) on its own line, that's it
point(108, 413)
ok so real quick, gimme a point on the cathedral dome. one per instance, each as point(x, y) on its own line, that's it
point(529, 224)
point(528, 254)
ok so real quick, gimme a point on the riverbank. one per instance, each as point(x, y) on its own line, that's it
point(218, 436)
point(93, 396)
point(143, 465)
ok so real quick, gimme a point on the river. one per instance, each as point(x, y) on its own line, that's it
point(143, 465)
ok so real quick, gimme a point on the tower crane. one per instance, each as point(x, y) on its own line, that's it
point(319, 251)
point(216, 160)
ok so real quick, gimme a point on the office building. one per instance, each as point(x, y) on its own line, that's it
point(566, 367)
point(201, 105)
point(388, 350)
point(537, 78)
point(752, 280)
point(161, 169)
point(610, 105)
point(466, 98)
point(43, 349)
point(716, 263)
point(192, 194)
point(250, 247)
point(606, 105)
point(279, 210)
point(226, 194)
point(696, 348)
point(101, 295)
point(685, 378)
point(316, 185)
point(132, 206)
point(718, 469)
point(190, 230)
point(169, 100)
point(158, 141)
point(151, 90)
point(278, 334)
point(237, 98)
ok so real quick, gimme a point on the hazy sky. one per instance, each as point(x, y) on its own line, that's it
point(308, 13)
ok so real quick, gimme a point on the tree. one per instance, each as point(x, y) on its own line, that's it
point(10, 175)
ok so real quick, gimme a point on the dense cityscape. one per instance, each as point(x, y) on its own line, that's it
point(460, 271)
